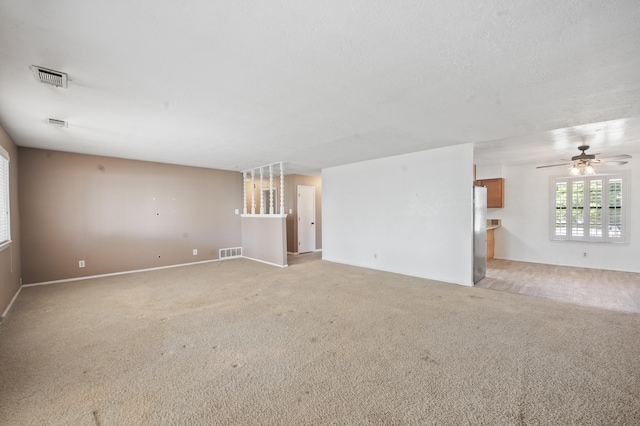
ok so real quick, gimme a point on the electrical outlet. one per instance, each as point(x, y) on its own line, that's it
point(584, 254)
point(81, 264)
point(195, 252)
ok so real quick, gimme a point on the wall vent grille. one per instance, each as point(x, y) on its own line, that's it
point(227, 253)
point(47, 76)
point(57, 123)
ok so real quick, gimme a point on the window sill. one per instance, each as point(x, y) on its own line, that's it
point(5, 245)
point(565, 240)
point(273, 216)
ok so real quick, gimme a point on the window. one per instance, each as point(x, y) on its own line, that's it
point(4, 197)
point(590, 208)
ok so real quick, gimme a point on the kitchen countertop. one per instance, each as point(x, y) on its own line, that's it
point(493, 224)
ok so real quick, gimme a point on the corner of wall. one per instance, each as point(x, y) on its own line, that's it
point(10, 259)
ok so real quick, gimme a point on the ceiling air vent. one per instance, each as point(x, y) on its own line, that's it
point(57, 123)
point(47, 76)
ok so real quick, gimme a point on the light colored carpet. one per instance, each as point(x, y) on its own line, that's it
point(239, 342)
point(616, 290)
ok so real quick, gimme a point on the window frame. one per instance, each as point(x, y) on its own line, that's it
point(588, 235)
point(5, 210)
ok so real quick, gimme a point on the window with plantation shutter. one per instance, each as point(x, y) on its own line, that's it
point(4, 197)
point(614, 229)
point(577, 209)
point(561, 209)
point(590, 208)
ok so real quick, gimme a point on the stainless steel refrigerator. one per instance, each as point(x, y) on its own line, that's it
point(479, 233)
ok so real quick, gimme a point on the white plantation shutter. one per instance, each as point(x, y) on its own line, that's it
point(4, 197)
point(616, 214)
point(561, 215)
point(596, 217)
point(592, 209)
point(577, 210)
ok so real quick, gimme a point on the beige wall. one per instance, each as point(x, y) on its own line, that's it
point(291, 183)
point(10, 268)
point(263, 238)
point(121, 215)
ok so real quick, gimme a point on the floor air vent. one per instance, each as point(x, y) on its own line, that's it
point(47, 76)
point(227, 253)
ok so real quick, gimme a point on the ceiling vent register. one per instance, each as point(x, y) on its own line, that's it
point(57, 123)
point(47, 76)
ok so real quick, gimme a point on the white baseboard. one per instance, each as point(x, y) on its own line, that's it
point(15, 296)
point(143, 270)
point(295, 253)
point(121, 273)
point(263, 261)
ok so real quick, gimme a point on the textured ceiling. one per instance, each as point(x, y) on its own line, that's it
point(238, 84)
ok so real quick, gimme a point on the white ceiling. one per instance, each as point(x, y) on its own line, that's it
point(238, 84)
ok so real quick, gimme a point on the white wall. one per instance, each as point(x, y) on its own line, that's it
point(410, 214)
point(524, 235)
point(488, 172)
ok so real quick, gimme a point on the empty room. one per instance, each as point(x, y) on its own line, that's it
point(308, 213)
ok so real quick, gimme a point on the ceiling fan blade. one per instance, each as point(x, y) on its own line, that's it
point(553, 165)
point(613, 163)
point(617, 157)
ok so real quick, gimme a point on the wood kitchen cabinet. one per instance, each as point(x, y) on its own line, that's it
point(495, 191)
point(490, 244)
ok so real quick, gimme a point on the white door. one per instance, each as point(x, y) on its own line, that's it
point(306, 218)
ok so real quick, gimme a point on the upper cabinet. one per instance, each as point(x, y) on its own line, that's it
point(495, 192)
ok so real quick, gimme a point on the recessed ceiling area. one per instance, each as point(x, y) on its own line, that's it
point(610, 138)
point(233, 85)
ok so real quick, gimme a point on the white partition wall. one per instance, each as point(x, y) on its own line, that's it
point(411, 214)
point(264, 223)
point(264, 238)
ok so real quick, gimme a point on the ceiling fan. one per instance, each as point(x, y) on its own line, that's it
point(583, 164)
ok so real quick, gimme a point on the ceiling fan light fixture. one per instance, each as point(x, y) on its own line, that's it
point(582, 168)
point(574, 171)
point(589, 170)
